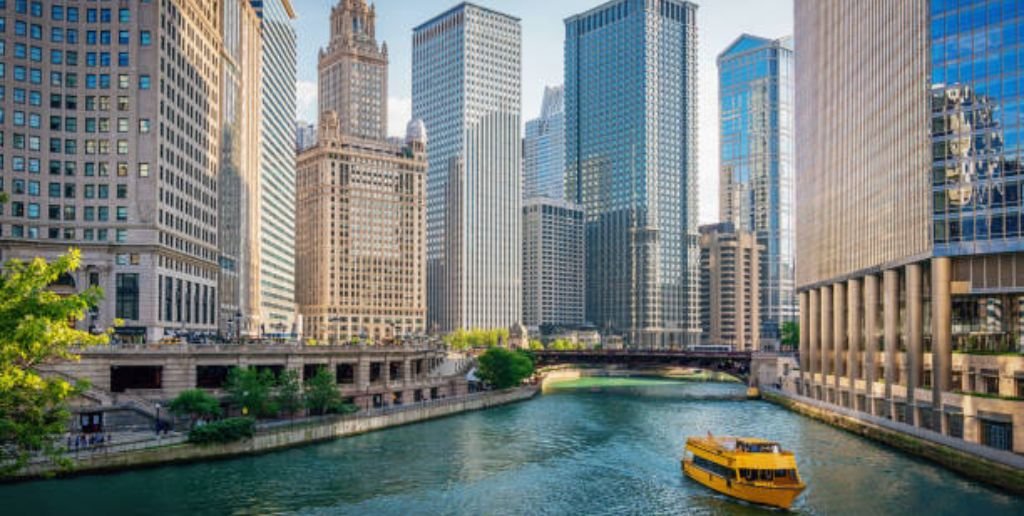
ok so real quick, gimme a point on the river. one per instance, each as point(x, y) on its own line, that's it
point(587, 447)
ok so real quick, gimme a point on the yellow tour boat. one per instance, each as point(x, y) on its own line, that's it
point(753, 470)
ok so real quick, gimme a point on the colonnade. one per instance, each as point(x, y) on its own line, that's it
point(840, 337)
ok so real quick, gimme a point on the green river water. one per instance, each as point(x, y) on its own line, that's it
point(604, 446)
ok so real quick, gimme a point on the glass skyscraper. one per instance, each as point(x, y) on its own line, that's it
point(631, 162)
point(977, 75)
point(544, 148)
point(277, 197)
point(466, 87)
point(756, 164)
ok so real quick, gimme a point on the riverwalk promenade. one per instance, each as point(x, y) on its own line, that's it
point(271, 435)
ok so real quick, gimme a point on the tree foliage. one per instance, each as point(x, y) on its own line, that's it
point(564, 345)
point(536, 345)
point(252, 390)
point(322, 395)
point(223, 431)
point(34, 332)
point(791, 334)
point(476, 338)
point(196, 404)
point(289, 392)
point(502, 368)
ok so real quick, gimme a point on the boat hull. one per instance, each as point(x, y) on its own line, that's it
point(775, 496)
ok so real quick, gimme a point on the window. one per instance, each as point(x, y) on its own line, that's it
point(122, 213)
point(143, 169)
point(122, 193)
point(143, 125)
point(122, 125)
point(127, 306)
point(124, 15)
point(123, 37)
point(72, 13)
point(145, 38)
point(122, 81)
point(122, 59)
point(143, 82)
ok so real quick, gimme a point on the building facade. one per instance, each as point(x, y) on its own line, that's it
point(631, 162)
point(553, 263)
point(466, 83)
point(305, 135)
point(352, 71)
point(362, 237)
point(730, 265)
point(907, 277)
point(361, 234)
point(544, 148)
point(238, 176)
point(276, 232)
point(115, 110)
point(756, 164)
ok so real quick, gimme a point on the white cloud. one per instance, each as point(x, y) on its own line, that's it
point(305, 101)
point(399, 113)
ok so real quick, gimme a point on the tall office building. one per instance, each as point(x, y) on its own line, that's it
point(544, 148)
point(553, 263)
point(730, 265)
point(305, 135)
point(361, 232)
point(238, 175)
point(631, 161)
point(466, 87)
point(908, 168)
point(353, 78)
point(755, 92)
point(115, 111)
point(276, 233)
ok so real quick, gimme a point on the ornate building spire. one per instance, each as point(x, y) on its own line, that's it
point(353, 72)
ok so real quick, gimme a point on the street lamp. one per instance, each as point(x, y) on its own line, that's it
point(157, 419)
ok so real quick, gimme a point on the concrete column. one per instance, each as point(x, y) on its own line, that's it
point(915, 337)
point(838, 336)
point(854, 334)
point(805, 318)
point(814, 333)
point(942, 335)
point(870, 334)
point(826, 336)
point(363, 372)
point(891, 330)
point(407, 378)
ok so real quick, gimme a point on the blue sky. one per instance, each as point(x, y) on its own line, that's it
point(719, 22)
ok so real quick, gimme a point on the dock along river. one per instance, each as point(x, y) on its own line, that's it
point(593, 446)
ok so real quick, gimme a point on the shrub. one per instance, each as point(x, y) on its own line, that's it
point(223, 431)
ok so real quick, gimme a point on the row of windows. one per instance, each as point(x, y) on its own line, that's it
point(65, 190)
point(67, 212)
point(70, 13)
point(88, 234)
point(70, 168)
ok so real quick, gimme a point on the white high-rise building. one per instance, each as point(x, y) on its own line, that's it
point(466, 87)
point(553, 263)
point(544, 148)
point(275, 293)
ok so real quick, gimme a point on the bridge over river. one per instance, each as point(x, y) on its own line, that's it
point(744, 365)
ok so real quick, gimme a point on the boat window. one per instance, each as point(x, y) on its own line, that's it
point(713, 468)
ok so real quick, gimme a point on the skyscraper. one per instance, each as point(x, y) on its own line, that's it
point(352, 70)
point(730, 263)
point(276, 234)
point(466, 87)
point(239, 170)
point(361, 232)
point(125, 165)
point(631, 161)
point(755, 82)
point(305, 135)
point(908, 206)
point(544, 148)
point(553, 263)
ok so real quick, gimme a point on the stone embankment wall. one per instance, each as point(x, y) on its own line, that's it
point(969, 459)
point(287, 434)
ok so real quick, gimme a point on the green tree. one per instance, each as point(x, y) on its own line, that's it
point(322, 395)
point(196, 404)
point(289, 392)
point(790, 334)
point(536, 345)
point(502, 368)
point(252, 389)
point(34, 332)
